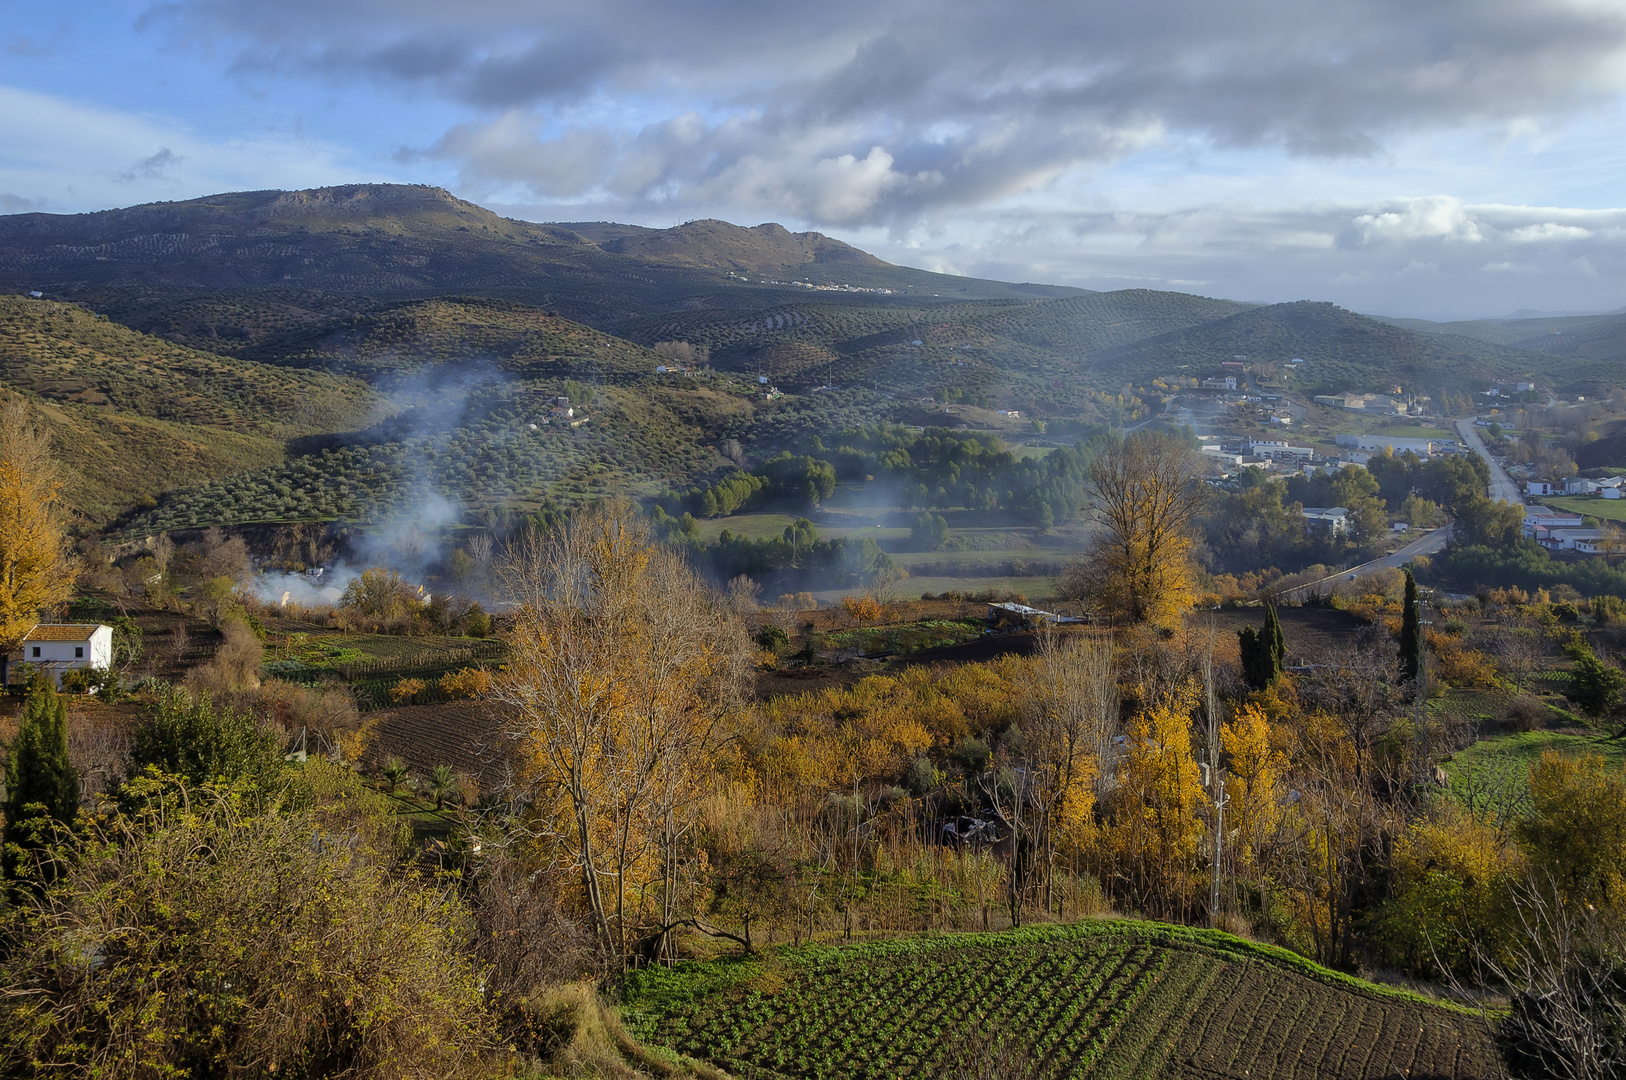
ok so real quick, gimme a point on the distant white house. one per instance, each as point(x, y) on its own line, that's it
point(1335, 519)
point(62, 647)
point(1377, 444)
point(1225, 382)
point(1539, 520)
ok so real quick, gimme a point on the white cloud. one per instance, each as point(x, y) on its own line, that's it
point(73, 156)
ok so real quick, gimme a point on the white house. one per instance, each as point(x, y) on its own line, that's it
point(1335, 519)
point(1543, 487)
point(1539, 518)
point(60, 647)
point(1589, 541)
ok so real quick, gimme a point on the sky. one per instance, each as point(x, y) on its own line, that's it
point(1437, 159)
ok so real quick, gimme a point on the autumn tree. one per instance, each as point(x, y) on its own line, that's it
point(1147, 493)
point(35, 571)
point(1068, 724)
point(1254, 787)
point(620, 667)
point(1155, 830)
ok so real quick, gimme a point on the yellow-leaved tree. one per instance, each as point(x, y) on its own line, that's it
point(620, 667)
point(1155, 830)
point(1253, 791)
point(35, 570)
point(1148, 491)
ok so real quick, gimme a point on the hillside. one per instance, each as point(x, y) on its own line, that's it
point(719, 245)
point(134, 416)
point(407, 336)
point(1342, 350)
point(1096, 999)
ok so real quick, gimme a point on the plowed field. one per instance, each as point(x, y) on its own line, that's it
point(1098, 999)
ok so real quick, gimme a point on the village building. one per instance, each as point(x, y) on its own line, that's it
point(58, 648)
point(1335, 519)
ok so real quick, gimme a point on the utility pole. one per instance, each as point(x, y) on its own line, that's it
point(1420, 725)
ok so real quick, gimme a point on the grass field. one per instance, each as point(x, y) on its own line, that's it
point(1098, 999)
point(1608, 509)
point(1415, 431)
point(1526, 747)
point(1491, 777)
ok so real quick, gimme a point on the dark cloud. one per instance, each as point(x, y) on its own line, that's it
point(16, 204)
point(155, 167)
point(889, 111)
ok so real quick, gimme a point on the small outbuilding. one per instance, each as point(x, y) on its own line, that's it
point(62, 647)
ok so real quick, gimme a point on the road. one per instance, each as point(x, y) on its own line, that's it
point(1427, 544)
point(1502, 487)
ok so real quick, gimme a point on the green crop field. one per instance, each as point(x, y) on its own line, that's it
point(1415, 431)
point(1608, 509)
point(1099, 999)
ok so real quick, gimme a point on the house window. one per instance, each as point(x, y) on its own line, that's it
point(36, 652)
point(79, 652)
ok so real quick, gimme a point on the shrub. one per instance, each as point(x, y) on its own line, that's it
point(406, 690)
point(303, 956)
point(189, 736)
point(467, 683)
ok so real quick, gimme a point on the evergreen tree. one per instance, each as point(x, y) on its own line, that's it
point(1275, 641)
point(1411, 637)
point(41, 784)
point(1263, 650)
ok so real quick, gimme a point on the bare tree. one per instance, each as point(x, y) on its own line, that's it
point(1565, 969)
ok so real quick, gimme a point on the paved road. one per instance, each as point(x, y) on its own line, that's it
point(1502, 486)
point(1427, 544)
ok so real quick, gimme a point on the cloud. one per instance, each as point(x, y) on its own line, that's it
point(151, 168)
point(16, 204)
point(887, 112)
point(77, 156)
point(1429, 257)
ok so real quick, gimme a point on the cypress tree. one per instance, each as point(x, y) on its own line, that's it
point(1263, 650)
point(1275, 641)
point(41, 784)
point(1411, 640)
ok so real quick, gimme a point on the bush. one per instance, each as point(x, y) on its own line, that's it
point(467, 683)
point(303, 956)
point(190, 737)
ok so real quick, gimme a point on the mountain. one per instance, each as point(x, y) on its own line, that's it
point(1341, 349)
point(228, 271)
point(254, 315)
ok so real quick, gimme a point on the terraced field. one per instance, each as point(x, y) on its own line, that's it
point(1096, 999)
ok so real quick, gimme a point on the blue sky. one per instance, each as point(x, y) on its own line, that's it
point(1459, 158)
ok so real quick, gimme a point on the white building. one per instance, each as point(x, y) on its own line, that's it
point(1539, 519)
point(60, 647)
point(1335, 519)
point(1377, 444)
